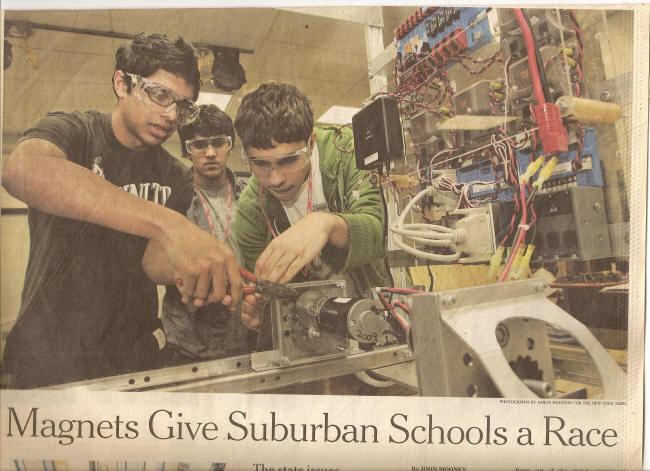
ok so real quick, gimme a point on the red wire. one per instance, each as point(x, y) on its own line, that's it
point(522, 235)
point(402, 306)
point(390, 309)
point(530, 50)
point(403, 291)
point(585, 285)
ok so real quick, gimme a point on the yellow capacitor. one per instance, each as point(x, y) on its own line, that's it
point(590, 111)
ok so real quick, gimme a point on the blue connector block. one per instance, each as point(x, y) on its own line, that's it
point(478, 35)
point(483, 172)
point(564, 176)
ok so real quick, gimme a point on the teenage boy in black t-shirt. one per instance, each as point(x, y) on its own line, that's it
point(106, 216)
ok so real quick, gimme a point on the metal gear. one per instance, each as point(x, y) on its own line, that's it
point(526, 368)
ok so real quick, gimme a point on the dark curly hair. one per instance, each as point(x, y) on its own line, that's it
point(274, 111)
point(146, 54)
point(211, 121)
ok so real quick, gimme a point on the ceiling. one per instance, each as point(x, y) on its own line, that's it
point(324, 56)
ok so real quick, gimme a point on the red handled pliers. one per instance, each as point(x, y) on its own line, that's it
point(266, 288)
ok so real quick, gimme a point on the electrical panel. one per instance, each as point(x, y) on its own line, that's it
point(485, 97)
point(572, 225)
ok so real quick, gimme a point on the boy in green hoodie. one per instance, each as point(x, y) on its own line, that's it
point(308, 212)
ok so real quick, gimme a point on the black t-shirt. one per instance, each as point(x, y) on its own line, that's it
point(88, 309)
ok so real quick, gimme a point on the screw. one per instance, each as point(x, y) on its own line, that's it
point(382, 318)
point(313, 333)
point(353, 323)
point(607, 95)
point(449, 301)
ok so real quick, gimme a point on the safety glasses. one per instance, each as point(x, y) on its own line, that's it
point(152, 92)
point(284, 164)
point(200, 146)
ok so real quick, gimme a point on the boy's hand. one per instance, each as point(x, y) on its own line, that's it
point(204, 264)
point(251, 310)
point(285, 256)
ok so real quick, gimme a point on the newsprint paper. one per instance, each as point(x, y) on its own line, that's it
point(321, 416)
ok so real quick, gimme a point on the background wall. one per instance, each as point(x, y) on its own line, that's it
point(326, 57)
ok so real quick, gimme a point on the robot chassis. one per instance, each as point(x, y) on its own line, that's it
point(445, 351)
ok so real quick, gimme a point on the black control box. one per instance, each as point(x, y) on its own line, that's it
point(377, 133)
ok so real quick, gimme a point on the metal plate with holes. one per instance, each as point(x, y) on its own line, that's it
point(219, 375)
point(491, 341)
point(298, 342)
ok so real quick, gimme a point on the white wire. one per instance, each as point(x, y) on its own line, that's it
point(426, 234)
point(365, 378)
point(564, 55)
point(505, 117)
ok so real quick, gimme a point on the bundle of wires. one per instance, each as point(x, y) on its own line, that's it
point(426, 234)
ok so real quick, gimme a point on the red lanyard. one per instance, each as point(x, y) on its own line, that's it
point(207, 212)
point(266, 218)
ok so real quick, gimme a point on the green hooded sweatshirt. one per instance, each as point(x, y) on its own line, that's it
point(349, 194)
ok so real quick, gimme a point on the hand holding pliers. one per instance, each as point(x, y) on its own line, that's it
point(265, 287)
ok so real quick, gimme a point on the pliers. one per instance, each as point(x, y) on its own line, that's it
point(266, 288)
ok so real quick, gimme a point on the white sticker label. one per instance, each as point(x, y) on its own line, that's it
point(160, 338)
point(342, 300)
point(478, 187)
point(565, 167)
point(371, 158)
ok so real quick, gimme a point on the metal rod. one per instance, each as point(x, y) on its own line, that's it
point(96, 32)
point(235, 374)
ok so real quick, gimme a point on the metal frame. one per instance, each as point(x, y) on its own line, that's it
point(234, 375)
point(454, 337)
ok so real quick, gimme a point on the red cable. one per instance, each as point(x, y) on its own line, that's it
point(522, 235)
point(390, 309)
point(403, 291)
point(402, 306)
point(532, 61)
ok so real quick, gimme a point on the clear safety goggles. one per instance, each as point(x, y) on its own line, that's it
point(200, 146)
point(284, 164)
point(186, 109)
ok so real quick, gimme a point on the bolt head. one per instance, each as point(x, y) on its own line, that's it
point(607, 95)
